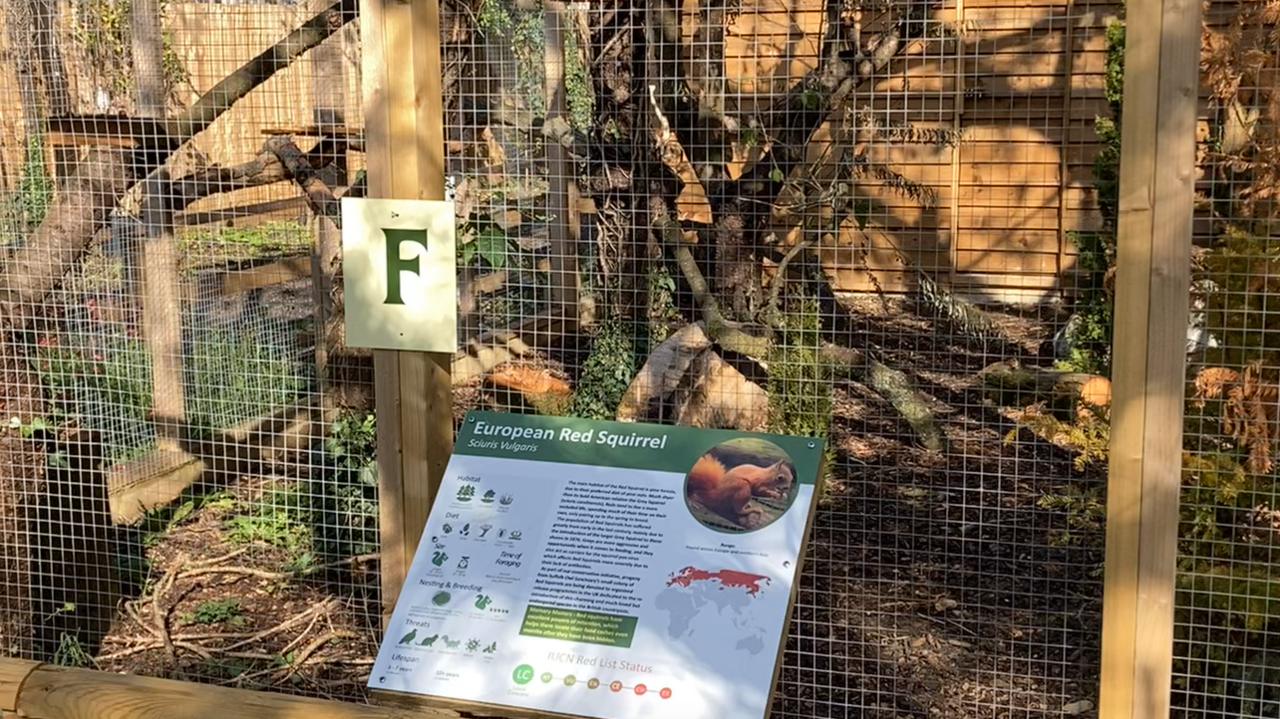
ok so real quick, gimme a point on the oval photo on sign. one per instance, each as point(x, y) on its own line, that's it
point(740, 485)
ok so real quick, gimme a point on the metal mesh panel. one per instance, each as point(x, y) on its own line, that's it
point(188, 483)
point(874, 221)
point(1225, 632)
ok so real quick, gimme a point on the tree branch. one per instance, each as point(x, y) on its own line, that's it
point(724, 332)
point(86, 198)
point(319, 196)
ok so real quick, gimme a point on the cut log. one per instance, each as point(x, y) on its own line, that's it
point(662, 373)
point(686, 382)
point(524, 389)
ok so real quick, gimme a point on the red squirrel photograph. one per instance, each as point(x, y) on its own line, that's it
point(729, 483)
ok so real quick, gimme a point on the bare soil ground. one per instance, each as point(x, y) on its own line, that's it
point(932, 586)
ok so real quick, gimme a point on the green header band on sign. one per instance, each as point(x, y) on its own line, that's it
point(625, 445)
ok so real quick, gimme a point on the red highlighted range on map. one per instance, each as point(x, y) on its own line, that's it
point(726, 578)
point(709, 607)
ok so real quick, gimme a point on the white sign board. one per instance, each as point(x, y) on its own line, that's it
point(399, 274)
point(605, 569)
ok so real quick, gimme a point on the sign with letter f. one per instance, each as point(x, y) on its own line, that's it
point(400, 283)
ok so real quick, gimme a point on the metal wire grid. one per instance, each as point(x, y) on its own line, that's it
point(959, 581)
point(175, 337)
point(1225, 633)
point(962, 582)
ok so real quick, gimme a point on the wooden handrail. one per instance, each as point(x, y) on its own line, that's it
point(43, 691)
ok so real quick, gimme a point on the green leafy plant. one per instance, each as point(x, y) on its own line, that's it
point(279, 518)
point(344, 488)
point(1089, 336)
point(101, 28)
point(25, 207)
point(505, 24)
point(606, 374)
point(800, 381)
point(71, 652)
point(227, 611)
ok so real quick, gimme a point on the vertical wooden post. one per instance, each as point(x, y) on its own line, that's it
point(957, 123)
point(162, 314)
point(328, 113)
point(1157, 175)
point(1064, 158)
point(148, 57)
point(562, 195)
point(404, 140)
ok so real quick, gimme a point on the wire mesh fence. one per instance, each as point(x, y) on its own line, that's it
point(1225, 628)
point(185, 493)
point(891, 224)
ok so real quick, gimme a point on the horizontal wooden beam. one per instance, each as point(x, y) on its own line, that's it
point(44, 691)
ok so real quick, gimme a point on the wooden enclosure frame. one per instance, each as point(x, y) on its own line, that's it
point(1157, 176)
point(404, 140)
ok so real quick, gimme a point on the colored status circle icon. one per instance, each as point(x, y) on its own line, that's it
point(570, 680)
point(641, 689)
point(523, 674)
point(593, 683)
point(546, 677)
point(665, 693)
point(615, 685)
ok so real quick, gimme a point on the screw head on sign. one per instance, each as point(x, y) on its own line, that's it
point(812, 445)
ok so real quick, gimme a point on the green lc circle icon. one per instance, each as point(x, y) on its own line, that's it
point(523, 674)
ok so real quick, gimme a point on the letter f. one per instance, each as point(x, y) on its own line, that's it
point(396, 264)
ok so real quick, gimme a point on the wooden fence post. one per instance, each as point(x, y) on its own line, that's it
point(1157, 175)
point(404, 141)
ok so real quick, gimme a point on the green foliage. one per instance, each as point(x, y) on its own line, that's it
point(158, 522)
point(238, 373)
point(662, 305)
point(71, 652)
point(1082, 502)
point(1091, 336)
point(488, 241)
point(1085, 507)
point(1089, 437)
point(24, 208)
point(579, 92)
point(108, 389)
point(506, 25)
point(1090, 331)
point(1216, 489)
point(227, 611)
point(101, 27)
point(1246, 272)
point(280, 518)
point(606, 373)
point(267, 239)
point(800, 381)
point(344, 489)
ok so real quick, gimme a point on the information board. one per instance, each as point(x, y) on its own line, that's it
point(605, 569)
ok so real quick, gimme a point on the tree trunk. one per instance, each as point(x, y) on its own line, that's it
point(148, 58)
point(21, 478)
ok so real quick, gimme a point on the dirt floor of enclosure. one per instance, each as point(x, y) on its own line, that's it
point(934, 584)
